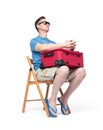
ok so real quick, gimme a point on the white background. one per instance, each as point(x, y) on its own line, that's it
point(81, 20)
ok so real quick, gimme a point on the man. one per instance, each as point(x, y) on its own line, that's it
point(58, 74)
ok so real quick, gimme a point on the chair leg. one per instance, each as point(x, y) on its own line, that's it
point(42, 99)
point(26, 92)
point(61, 92)
point(47, 91)
point(40, 93)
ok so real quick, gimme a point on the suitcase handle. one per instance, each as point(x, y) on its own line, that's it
point(48, 54)
point(60, 62)
point(67, 53)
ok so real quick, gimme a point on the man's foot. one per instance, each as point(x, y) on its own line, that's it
point(64, 109)
point(51, 110)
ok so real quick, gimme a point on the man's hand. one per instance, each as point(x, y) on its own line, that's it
point(71, 44)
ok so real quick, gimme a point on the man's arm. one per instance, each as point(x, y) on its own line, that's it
point(44, 47)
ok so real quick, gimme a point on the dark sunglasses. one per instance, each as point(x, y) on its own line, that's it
point(44, 22)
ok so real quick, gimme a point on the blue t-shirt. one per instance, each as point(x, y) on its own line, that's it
point(35, 54)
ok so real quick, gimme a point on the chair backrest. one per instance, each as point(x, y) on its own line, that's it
point(30, 61)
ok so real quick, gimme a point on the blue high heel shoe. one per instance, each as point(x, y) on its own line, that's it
point(51, 109)
point(64, 109)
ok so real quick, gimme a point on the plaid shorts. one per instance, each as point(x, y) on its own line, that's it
point(49, 74)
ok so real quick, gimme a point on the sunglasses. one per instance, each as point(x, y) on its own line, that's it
point(44, 22)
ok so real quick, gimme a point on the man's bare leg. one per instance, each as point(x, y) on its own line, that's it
point(77, 78)
point(59, 80)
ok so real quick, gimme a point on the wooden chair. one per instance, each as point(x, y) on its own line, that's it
point(37, 84)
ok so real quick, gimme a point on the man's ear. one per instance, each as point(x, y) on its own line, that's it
point(38, 26)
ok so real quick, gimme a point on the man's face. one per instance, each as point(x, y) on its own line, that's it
point(43, 25)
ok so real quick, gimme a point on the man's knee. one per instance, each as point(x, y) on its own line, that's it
point(82, 71)
point(63, 70)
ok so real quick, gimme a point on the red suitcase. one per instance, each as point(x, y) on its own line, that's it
point(59, 57)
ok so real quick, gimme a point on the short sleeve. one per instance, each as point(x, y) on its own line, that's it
point(33, 43)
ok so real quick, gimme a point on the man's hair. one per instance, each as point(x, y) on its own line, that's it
point(37, 21)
